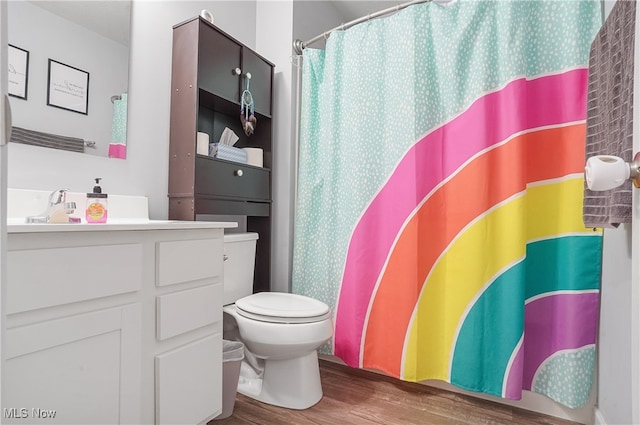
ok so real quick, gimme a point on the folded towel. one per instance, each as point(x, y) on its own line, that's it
point(47, 140)
point(610, 112)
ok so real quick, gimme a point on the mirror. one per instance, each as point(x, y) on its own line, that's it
point(69, 71)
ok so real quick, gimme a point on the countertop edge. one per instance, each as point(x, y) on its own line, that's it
point(119, 226)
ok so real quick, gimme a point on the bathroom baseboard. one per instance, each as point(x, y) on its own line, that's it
point(599, 418)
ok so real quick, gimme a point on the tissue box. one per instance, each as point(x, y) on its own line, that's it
point(228, 152)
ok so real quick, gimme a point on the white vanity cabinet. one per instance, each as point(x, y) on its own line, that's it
point(113, 324)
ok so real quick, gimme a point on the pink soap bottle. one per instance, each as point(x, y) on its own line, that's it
point(96, 211)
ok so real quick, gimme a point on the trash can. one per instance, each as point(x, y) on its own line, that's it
point(232, 355)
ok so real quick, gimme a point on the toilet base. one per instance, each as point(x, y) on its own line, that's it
point(293, 383)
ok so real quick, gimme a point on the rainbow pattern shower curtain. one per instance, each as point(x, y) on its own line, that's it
point(440, 196)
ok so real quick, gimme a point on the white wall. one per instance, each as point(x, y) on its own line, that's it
point(312, 18)
point(274, 29)
point(45, 35)
point(145, 171)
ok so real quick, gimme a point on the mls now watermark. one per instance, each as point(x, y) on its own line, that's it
point(24, 413)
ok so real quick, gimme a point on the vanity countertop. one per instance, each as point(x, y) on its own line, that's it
point(15, 226)
point(125, 213)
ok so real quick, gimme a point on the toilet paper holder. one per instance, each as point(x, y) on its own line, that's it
point(605, 172)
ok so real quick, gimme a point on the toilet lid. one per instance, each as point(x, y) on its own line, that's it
point(281, 307)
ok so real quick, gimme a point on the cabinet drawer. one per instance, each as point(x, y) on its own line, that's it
point(233, 207)
point(221, 178)
point(185, 261)
point(184, 311)
point(36, 280)
point(189, 382)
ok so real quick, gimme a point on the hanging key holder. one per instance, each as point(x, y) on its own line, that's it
point(247, 109)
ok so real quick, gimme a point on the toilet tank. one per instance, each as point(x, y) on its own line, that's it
point(240, 254)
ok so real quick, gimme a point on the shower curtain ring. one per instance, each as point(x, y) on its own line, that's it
point(295, 60)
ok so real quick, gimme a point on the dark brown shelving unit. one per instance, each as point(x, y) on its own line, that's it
point(208, 74)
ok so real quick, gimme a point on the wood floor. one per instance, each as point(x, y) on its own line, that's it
point(357, 397)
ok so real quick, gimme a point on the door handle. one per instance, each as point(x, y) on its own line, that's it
point(604, 172)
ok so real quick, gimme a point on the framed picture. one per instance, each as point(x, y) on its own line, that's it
point(68, 87)
point(18, 73)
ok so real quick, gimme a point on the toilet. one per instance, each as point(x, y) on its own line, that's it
point(281, 332)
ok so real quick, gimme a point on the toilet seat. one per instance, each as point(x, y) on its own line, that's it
point(281, 307)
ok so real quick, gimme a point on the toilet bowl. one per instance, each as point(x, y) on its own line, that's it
point(281, 333)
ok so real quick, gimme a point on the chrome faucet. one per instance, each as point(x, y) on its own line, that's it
point(57, 204)
point(57, 197)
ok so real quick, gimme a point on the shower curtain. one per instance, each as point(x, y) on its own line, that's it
point(440, 196)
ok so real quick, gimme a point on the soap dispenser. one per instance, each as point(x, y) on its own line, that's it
point(96, 204)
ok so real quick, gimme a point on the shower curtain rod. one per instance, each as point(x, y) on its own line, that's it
point(299, 45)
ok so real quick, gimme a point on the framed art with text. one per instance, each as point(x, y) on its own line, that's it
point(18, 72)
point(68, 87)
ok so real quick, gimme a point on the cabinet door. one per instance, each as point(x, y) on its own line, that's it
point(260, 82)
point(189, 382)
point(218, 57)
point(82, 369)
